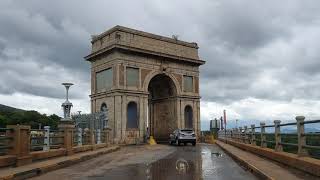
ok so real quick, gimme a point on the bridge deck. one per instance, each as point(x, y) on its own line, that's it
point(264, 167)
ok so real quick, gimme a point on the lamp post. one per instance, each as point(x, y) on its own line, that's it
point(66, 125)
point(66, 105)
point(237, 123)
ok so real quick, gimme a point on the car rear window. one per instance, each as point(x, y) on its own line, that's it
point(187, 130)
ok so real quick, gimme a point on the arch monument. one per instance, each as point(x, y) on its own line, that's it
point(149, 83)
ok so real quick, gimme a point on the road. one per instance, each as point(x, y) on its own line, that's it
point(157, 163)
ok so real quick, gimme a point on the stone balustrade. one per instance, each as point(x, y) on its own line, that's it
point(251, 135)
point(19, 144)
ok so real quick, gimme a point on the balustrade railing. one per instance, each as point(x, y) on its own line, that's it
point(301, 143)
point(5, 140)
point(28, 144)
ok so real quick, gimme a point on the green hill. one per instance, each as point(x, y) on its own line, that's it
point(12, 116)
point(6, 109)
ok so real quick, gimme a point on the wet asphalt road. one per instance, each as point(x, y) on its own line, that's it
point(157, 163)
point(188, 162)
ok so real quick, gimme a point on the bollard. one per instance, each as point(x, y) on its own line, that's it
point(79, 136)
point(263, 136)
point(253, 135)
point(46, 144)
point(98, 136)
point(301, 136)
point(277, 135)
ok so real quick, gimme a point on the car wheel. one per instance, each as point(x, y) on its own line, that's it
point(178, 143)
point(194, 143)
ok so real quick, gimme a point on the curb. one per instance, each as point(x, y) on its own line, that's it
point(36, 171)
point(254, 170)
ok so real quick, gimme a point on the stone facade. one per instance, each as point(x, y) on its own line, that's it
point(161, 65)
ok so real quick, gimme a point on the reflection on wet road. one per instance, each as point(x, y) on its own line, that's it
point(188, 162)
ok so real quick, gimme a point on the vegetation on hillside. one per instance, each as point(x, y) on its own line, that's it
point(13, 116)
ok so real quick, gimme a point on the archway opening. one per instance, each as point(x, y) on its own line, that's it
point(162, 107)
point(188, 117)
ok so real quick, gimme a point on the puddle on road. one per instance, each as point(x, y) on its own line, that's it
point(214, 154)
point(162, 169)
point(181, 165)
point(217, 154)
point(186, 163)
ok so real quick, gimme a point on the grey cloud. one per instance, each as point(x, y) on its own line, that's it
point(238, 39)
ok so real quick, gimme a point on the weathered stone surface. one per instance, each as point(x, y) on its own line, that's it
point(160, 99)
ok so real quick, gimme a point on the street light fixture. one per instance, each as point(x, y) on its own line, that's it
point(67, 105)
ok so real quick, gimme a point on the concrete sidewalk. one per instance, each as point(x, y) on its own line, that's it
point(41, 167)
point(263, 168)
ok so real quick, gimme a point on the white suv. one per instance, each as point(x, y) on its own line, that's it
point(183, 136)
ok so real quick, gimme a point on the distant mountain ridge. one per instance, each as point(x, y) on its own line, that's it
point(4, 108)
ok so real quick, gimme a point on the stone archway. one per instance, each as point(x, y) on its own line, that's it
point(162, 106)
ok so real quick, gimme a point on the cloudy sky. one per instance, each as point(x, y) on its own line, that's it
point(263, 57)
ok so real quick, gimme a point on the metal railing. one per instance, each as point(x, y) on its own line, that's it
point(87, 137)
point(301, 143)
point(5, 140)
point(56, 139)
point(45, 139)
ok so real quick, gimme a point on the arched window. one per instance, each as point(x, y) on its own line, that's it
point(132, 115)
point(188, 117)
point(103, 107)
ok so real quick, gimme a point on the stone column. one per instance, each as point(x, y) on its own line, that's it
point(232, 133)
point(117, 118)
point(92, 138)
point(68, 128)
point(301, 137)
point(124, 119)
point(107, 135)
point(277, 135)
point(240, 134)
point(46, 144)
point(79, 137)
point(245, 135)
point(142, 120)
point(236, 134)
point(253, 135)
point(263, 136)
point(98, 133)
point(20, 143)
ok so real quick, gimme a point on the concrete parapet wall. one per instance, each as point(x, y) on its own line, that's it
point(306, 164)
point(10, 160)
point(7, 160)
point(39, 155)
